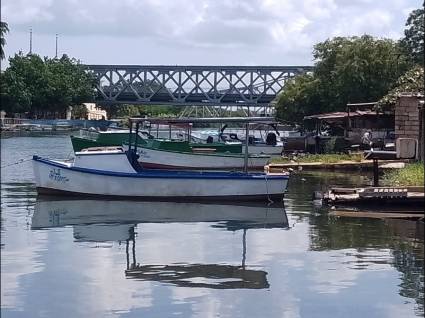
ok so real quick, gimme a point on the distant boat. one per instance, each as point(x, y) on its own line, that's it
point(28, 127)
point(62, 126)
point(89, 138)
point(94, 139)
point(226, 143)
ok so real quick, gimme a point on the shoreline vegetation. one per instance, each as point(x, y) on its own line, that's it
point(320, 158)
point(411, 175)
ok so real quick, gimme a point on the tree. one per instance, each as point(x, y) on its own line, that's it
point(40, 86)
point(347, 69)
point(4, 28)
point(23, 83)
point(411, 82)
point(69, 84)
point(79, 112)
point(14, 95)
point(300, 98)
point(127, 111)
point(413, 41)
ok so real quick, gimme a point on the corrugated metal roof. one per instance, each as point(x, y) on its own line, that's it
point(336, 115)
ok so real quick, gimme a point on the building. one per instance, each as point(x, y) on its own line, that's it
point(353, 124)
point(409, 121)
point(94, 112)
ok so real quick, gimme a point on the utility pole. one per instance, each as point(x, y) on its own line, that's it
point(30, 41)
point(56, 51)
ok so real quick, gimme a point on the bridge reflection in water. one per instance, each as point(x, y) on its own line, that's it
point(103, 221)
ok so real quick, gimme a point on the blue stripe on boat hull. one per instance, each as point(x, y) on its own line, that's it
point(166, 173)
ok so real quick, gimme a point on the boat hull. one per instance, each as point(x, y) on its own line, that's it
point(273, 151)
point(55, 178)
point(161, 159)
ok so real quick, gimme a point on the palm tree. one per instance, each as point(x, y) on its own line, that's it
point(4, 28)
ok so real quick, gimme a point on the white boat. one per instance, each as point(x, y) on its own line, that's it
point(198, 159)
point(110, 173)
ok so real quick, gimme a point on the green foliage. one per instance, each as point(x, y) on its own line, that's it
point(161, 110)
point(410, 175)
point(79, 112)
point(35, 85)
point(4, 28)
point(347, 70)
point(322, 158)
point(413, 40)
point(329, 146)
point(300, 98)
point(126, 110)
point(411, 82)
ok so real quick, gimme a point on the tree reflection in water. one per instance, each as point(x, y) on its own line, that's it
point(403, 238)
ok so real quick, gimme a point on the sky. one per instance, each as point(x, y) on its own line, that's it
point(195, 32)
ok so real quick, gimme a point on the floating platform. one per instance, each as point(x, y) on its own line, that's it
point(394, 196)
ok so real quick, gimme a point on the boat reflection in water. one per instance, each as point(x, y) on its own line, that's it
point(112, 220)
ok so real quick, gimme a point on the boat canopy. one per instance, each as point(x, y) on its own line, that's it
point(191, 120)
point(188, 120)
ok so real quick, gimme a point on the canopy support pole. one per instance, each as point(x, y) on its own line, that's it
point(137, 134)
point(130, 136)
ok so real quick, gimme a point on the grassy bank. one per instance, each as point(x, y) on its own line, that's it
point(411, 175)
point(322, 158)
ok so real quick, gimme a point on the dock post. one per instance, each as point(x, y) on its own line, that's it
point(375, 173)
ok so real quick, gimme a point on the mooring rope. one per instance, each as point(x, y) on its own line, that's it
point(16, 163)
point(267, 189)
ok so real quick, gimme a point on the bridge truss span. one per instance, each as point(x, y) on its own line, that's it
point(191, 85)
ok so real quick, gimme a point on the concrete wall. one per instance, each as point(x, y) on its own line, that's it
point(73, 122)
point(408, 121)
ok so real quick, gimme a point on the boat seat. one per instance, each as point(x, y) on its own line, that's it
point(208, 150)
point(101, 149)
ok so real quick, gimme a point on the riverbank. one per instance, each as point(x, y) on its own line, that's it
point(320, 158)
point(411, 175)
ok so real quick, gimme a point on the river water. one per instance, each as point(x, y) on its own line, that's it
point(97, 258)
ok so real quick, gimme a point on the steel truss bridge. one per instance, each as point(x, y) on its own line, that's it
point(192, 85)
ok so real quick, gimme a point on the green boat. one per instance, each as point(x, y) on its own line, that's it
point(90, 139)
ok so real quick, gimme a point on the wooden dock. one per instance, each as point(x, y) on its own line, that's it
point(342, 165)
point(378, 214)
point(384, 196)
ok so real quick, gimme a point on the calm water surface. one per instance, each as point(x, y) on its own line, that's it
point(97, 258)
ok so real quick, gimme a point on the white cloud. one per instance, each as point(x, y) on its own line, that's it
point(198, 32)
